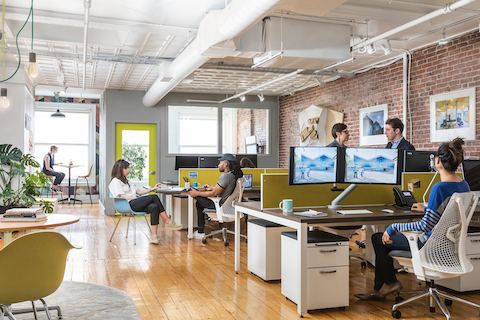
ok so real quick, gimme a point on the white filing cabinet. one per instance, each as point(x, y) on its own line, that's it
point(264, 248)
point(180, 211)
point(470, 281)
point(327, 269)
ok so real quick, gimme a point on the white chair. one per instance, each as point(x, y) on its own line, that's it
point(443, 256)
point(224, 213)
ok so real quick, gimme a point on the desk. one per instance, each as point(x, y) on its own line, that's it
point(53, 220)
point(69, 199)
point(300, 224)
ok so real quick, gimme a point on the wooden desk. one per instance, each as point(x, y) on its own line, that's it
point(53, 220)
point(301, 224)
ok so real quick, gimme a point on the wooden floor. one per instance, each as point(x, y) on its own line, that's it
point(181, 279)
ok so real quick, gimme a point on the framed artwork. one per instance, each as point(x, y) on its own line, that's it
point(372, 125)
point(452, 115)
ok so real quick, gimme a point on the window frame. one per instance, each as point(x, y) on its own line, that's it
point(89, 109)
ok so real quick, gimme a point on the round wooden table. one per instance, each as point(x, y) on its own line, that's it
point(53, 220)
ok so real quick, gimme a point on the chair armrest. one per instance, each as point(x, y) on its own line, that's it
point(412, 237)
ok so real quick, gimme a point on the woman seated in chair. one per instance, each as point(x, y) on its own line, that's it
point(139, 200)
point(449, 156)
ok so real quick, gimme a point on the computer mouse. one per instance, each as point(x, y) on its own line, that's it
point(387, 210)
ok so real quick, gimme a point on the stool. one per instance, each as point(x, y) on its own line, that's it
point(264, 248)
point(85, 177)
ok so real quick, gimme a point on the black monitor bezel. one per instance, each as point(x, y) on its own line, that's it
point(405, 153)
point(292, 165)
point(210, 158)
point(177, 167)
point(342, 169)
point(252, 156)
point(464, 171)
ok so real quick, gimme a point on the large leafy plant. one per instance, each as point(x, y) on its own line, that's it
point(19, 187)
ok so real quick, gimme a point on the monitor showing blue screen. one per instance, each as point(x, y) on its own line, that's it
point(313, 165)
point(376, 166)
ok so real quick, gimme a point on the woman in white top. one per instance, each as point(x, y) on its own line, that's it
point(120, 188)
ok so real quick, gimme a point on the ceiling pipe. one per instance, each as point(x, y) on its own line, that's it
point(217, 26)
point(87, 4)
point(445, 10)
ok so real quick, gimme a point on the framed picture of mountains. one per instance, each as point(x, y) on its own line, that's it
point(372, 125)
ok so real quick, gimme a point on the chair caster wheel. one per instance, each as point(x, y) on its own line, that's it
point(226, 243)
point(396, 314)
point(448, 302)
point(432, 309)
point(398, 299)
point(204, 241)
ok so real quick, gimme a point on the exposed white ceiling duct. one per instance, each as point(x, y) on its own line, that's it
point(217, 27)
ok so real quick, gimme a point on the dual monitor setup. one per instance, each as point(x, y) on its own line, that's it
point(207, 161)
point(318, 165)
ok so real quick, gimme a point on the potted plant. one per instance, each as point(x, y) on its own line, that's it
point(18, 187)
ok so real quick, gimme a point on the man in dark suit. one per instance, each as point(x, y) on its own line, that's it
point(394, 132)
point(340, 135)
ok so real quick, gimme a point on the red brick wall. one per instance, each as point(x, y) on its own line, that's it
point(434, 70)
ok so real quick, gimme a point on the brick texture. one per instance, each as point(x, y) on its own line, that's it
point(434, 70)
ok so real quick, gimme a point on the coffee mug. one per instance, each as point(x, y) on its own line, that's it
point(187, 185)
point(286, 205)
point(195, 184)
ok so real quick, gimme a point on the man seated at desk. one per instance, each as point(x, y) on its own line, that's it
point(224, 188)
point(449, 156)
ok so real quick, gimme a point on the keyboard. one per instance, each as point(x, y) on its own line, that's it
point(361, 211)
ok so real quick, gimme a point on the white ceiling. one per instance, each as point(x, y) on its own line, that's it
point(128, 39)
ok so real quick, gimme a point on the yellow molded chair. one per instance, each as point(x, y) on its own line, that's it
point(32, 267)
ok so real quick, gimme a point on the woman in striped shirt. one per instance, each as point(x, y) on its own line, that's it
point(449, 156)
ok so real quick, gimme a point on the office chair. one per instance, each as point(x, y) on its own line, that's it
point(33, 267)
point(85, 177)
point(123, 209)
point(444, 254)
point(224, 213)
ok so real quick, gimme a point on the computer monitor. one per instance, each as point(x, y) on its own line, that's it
point(248, 180)
point(252, 157)
point(312, 165)
point(471, 171)
point(371, 166)
point(208, 161)
point(186, 162)
point(419, 161)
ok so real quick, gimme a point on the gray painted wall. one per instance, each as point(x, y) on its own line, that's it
point(126, 106)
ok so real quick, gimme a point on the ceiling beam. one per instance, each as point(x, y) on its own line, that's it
point(77, 20)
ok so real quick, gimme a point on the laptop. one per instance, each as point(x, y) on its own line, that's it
point(247, 178)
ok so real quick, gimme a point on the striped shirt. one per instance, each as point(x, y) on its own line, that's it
point(440, 192)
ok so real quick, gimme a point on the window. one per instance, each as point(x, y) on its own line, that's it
point(244, 128)
point(192, 130)
point(73, 135)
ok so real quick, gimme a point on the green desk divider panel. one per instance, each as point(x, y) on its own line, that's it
point(210, 175)
point(276, 170)
point(275, 187)
point(417, 183)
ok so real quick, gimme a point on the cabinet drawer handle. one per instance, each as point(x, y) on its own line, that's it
point(476, 240)
point(328, 272)
point(476, 258)
point(328, 251)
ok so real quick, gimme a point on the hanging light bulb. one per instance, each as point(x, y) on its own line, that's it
point(32, 69)
point(4, 101)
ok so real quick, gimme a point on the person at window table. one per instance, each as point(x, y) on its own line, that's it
point(340, 135)
point(394, 132)
point(224, 188)
point(139, 200)
point(449, 156)
point(48, 163)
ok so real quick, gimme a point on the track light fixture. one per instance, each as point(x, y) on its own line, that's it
point(261, 97)
point(443, 40)
point(242, 98)
point(386, 47)
point(371, 48)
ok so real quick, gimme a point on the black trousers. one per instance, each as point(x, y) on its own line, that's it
point(202, 204)
point(384, 270)
point(59, 176)
point(150, 204)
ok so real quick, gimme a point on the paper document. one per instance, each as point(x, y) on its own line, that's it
point(310, 213)
point(354, 211)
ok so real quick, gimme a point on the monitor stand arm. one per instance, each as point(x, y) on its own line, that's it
point(336, 202)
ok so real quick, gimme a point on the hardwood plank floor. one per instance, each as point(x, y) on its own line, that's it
point(181, 279)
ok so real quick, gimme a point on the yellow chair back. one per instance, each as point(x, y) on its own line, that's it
point(32, 266)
